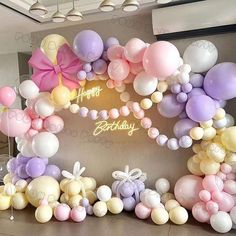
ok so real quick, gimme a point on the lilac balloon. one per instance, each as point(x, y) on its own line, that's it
point(22, 159)
point(169, 106)
point(110, 42)
point(200, 108)
point(81, 75)
point(182, 127)
point(220, 81)
point(87, 67)
point(12, 165)
point(100, 66)
point(187, 88)
point(196, 92)
point(182, 97)
point(90, 76)
point(21, 172)
point(129, 203)
point(88, 46)
point(104, 56)
point(45, 160)
point(196, 80)
point(35, 167)
point(183, 115)
point(176, 88)
point(139, 184)
point(84, 202)
point(220, 103)
point(126, 189)
point(53, 171)
point(114, 186)
point(15, 179)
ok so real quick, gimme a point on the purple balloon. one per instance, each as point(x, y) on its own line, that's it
point(129, 203)
point(81, 75)
point(22, 159)
point(169, 106)
point(176, 88)
point(196, 92)
point(12, 165)
point(110, 42)
point(15, 179)
point(196, 80)
point(182, 97)
point(187, 88)
point(140, 185)
point(35, 167)
point(126, 189)
point(90, 76)
point(200, 108)
point(114, 186)
point(220, 81)
point(220, 103)
point(53, 171)
point(182, 127)
point(21, 172)
point(100, 66)
point(87, 67)
point(88, 46)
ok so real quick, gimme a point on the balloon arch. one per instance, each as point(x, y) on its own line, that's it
point(193, 88)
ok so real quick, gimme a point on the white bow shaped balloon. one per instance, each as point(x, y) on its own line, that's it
point(77, 172)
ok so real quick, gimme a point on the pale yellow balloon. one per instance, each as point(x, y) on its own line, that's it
point(209, 133)
point(92, 197)
point(157, 97)
point(50, 45)
point(206, 124)
point(53, 205)
point(21, 185)
point(73, 94)
point(209, 167)
point(74, 201)
point(89, 183)
point(41, 187)
point(194, 167)
point(205, 144)
point(7, 178)
point(220, 114)
point(171, 204)
point(217, 139)
point(220, 131)
point(43, 213)
point(196, 133)
point(100, 209)
point(115, 205)
point(9, 189)
point(64, 198)
point(73, 188)
point(231, 160)
point(19, 201)
point(228, 138)
point(196, 148)
point(63, 184)
point(216, 152)
point(5, 202)
point(166, 197)
point(2, 189)
point(60, 95)
point(178, 215)
point(162, 86)
point(146, 103)
point(159, 216)
point(196, 158)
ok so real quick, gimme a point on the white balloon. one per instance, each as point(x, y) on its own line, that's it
point(233, 214)
point(201, 55)
point(230, 120)
point(28, 89)
point(104, 193)
point(152, 199)
point(145, 84)
point(44, 107)
point(162, 186)
point(45, 144)
point(221, 222)
point(26, 149)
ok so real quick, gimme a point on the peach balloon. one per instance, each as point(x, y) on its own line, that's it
point(118, 69)
point(115, 52)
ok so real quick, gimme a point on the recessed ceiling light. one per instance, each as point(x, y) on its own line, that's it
point(58, 17)
point(73, 14)
point(38, 9)
point(130, 5)
point(107, 5)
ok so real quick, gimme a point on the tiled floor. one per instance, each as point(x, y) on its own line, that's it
point(111, 225)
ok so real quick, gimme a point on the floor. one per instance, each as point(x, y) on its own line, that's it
point(115, 225)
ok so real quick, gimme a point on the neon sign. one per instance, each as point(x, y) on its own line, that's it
point(88, 94)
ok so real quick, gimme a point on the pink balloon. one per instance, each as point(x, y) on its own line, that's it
point(200, 212)
point(146, 123)
point(124, 111)
point(141, 211)
point(7, 96)
point(53, 124)
point(31, 113)
point(136, 68)
point(230, 187)
point(212, 183)
point(212, 207)
point(31, 133)
point(114, 113)
point(227, 202)
point(161, 59)
point(37, 124)
point(205, 196)
point(115, 52)
point(187, 190)
point(118, 69)
point(15, 123)
point(134, 50)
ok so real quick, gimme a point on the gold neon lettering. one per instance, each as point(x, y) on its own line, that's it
point(88, 94)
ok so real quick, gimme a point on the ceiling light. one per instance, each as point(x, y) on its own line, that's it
point(38, 9)
point(163, 1)
point(107, 5)
point(130, 5)
point(73, 14)
point(58, 17)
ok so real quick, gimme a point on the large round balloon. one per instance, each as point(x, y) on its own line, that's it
point(14, 122)
point(201, 108)
point(161, 59)
point(169, 107)
point(228, 138)
point(7, 96)
point(88, 45)
point(220, 81)
point(201, 55)
point(42, 187)
point(118, 69)
point(45, 144)
point(145, 84)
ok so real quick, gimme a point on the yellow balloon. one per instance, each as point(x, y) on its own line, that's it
point(178, 215)
point(64, 198)
point(220, 114)
point(206, 124)
point(115, 205)
point(73, 94)
point(2, 189)
point(196, 133)
point(43, 213)
point(89, 183)
point(100, 209)
point(231, 160)
point(196, 148)
point(216, 152)
point(60, 95)
point(74, 201)
point(73, 188)
point(19, 201)
point(146, 103)
point(157, 97)
point(92, 197)
point(50, 45)
point(5, 202)
point(63, 184)
point(162, 86)
point(171, 204)
point(166, 197)
point(7, 179)
point(41, 187)
point(194, 167)
point(228, 138)
point(209, 167)
point(159, 216)
point(209, 133)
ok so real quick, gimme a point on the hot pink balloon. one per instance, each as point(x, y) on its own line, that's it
point(115, 52)
point(53, 124)
point(15, 122)
point(161, 59)
point(134, 50)
point(118, 69)
point(7, 96)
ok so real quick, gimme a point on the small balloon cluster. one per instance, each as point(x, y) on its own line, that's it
point(128, 186)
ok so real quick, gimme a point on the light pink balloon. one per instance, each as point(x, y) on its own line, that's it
point(15, 123)
point(53, 124)
point(205, 196)
point(230, 187)
point(227, 202)
point(134, 50)
point(200, 212)
point(124, 111)
point(129, 79)
point(31, 133)
point(31, 113)
point(7, 96)
point(118, 69)
point(115, 52)
point(187, 190)
point(37, 124)
point(114, 113)
point(142, 211)
point(212, 183)
point(146, 123)
point(212, 207)
point(161, 59)
point(136, 68)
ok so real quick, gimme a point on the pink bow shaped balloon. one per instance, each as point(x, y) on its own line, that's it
point(46, 73)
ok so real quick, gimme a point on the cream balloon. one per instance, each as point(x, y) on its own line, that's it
point(28, 89)
point(44, 107)
point(19, 201)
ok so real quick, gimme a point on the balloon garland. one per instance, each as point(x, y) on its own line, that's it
point(193, 89)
